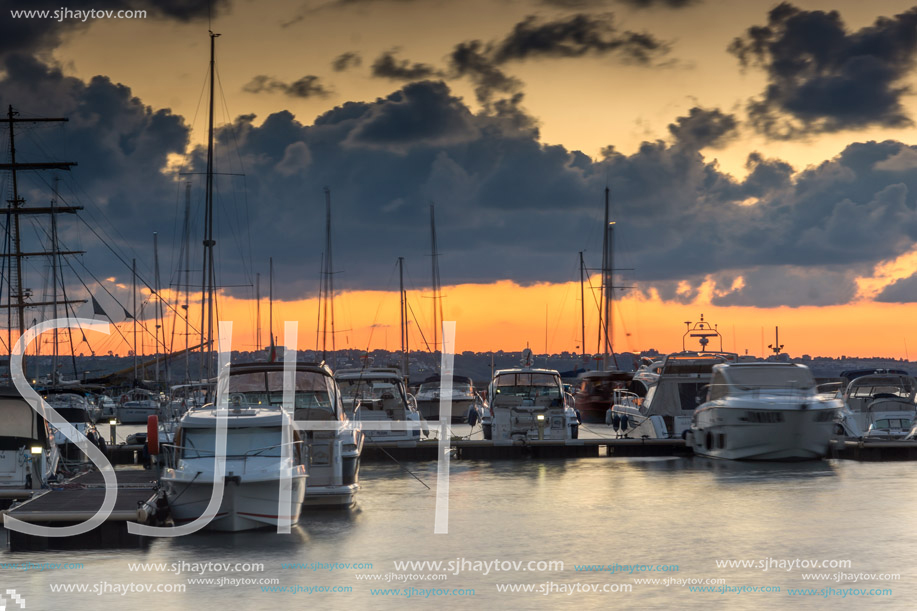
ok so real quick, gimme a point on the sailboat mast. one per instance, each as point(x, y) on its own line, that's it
point(258, 312)
point(404, 319)
point(187, 262)
point(209, 243)
point(15, 209)
point(134, 312)
point(606, 281)
point(270, 304)
point(582, 301)
point(437, 299)
point(329, 284)
point(54, 250)
point(158, 302)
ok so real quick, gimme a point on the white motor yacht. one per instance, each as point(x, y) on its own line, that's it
point(526, 403)
point(332, 444)
point(378, 396)
point(255, 464)
point(138, 405)
point(763, 411)
point(29, 458)
point(879, 402)
point(462, 398)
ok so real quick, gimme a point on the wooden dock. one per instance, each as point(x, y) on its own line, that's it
point(874, 451)
point(76, 501)
point(479, 449)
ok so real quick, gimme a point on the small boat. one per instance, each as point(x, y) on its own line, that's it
point(184, 397)
point(763, 411)
point(377, 395)
point(254, 467)
point(595, 393)
point(463, 398)
point(29, 458)
point(879, 401)
point(530, 404)
point(137, 405)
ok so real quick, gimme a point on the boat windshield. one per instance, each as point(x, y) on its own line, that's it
point(369, 389)
point(749, 378)
point(890, 387)
point(528, 385)
point(240, 442)
point(265, 388)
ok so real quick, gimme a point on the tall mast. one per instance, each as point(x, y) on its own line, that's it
point(158, 301)
point(15, 209)
point(606, 282)
point(54, 249)
point(437, 299)
point(404, 320)
point(582, 302)
point(329, 284)
point(209, 243)
point(187, 305)
point(270, 303)
point(134, 313)
point(257, 312)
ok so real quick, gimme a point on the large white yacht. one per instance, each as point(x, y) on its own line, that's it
point(332, 443)
point(377, 395)
point(763, 411)
point(29, 458)
point(680, 387)
point(529, 404)
point(256, 460)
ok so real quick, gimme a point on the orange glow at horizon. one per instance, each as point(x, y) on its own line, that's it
point(507, 316)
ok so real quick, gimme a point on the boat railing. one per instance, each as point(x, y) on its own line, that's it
point(247, 454)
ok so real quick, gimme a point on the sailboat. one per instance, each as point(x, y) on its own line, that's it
point(258, 459)
point(597, 391)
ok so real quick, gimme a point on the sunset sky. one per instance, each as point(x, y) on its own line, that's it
point(760, 159)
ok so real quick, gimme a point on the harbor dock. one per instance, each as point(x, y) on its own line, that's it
point(76, 500)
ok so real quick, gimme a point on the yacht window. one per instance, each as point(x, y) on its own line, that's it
point(755, 377)
point(718, 386)
point(240, 442)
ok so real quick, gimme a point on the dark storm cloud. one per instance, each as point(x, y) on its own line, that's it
point(307, 87)
point(345, 61)
point(507, 205)
point(472, 60)
point(387, 66)
point(575, 36)
point(704, 127)
point(533, 38)
point(824, 78)
point(903, 290)
point(34, 35)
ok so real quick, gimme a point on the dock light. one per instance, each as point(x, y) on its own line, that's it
point(113, 429)
point(540, 419)
point(36, 449)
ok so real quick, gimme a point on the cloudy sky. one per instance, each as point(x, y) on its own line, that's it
point(759, 158)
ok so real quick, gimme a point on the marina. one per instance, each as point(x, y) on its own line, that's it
point(588, 404)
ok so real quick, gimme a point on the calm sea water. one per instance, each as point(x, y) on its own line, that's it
point(681, 514)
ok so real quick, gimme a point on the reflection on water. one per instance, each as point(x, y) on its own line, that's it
point(673, 511)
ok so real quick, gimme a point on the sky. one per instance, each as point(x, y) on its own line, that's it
point(759, 158)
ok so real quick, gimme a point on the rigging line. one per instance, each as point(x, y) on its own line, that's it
point(426, 343)
point(403, 467)
point(123, 262)
point(372, 327)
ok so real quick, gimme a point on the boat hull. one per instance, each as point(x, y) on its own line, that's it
point(762, 434)
point(246, 505)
